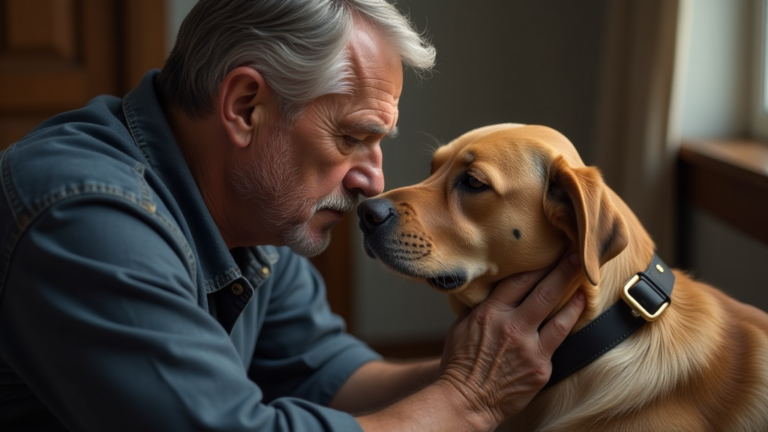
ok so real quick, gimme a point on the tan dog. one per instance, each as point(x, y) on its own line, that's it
point(505, 199)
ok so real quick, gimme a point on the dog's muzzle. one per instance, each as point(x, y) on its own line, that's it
point(379, 222)
point(375, 214)
point(377, 219)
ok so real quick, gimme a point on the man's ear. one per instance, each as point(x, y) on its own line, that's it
point(576, 201)
point(245, 101)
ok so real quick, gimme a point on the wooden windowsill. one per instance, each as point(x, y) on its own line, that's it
point(728, 178)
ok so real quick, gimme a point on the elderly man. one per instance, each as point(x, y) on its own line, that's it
point(142, 286)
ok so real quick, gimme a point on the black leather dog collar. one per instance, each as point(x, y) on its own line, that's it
point(644, 298)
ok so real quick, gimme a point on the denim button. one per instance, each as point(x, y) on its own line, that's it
point(265, 271)
point(237, 289)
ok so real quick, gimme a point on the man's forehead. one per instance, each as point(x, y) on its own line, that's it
point(377, 82)
point(379, 86)
point(375, 63)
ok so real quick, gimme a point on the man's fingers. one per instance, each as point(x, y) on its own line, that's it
point(557, 329)
point(512, 290)
point(548, 293)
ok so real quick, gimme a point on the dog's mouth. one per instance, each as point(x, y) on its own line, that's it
point(449, 281)
point(404, 264)
point(368, 250)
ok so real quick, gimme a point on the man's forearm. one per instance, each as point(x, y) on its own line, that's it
point(408, 397)
point(379, 384)
point(438, 407)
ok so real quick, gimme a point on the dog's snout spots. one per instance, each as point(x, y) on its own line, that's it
point(516, 232)
point(413, 245)
point(411, 242)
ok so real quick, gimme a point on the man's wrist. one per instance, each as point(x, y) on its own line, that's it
point(477, 416)
point(440, 406)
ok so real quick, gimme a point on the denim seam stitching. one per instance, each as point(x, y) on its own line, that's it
point(221, 280)
point(60, 195)
point(184, 245)
point(138, 138)
point(147, 203)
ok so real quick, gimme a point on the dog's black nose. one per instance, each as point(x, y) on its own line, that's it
point(373, 213)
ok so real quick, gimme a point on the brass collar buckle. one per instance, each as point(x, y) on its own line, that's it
point(649, 292)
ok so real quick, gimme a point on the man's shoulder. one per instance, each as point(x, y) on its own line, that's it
point(89, 150)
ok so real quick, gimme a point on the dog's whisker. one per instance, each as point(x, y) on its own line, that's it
point(436, 142)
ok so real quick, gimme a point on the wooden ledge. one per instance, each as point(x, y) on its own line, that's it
point(728, 178)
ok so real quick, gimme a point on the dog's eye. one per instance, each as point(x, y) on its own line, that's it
point(473, 182)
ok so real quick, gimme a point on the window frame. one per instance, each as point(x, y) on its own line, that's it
point(759, 108)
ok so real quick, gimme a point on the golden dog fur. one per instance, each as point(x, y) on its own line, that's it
point(703, 366)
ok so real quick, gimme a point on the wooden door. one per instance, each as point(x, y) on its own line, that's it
point(55, 55)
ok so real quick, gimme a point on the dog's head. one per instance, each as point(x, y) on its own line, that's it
point(501, 200)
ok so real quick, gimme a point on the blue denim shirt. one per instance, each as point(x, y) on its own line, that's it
point(121, 308)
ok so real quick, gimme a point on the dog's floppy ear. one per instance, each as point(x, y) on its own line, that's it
point(576, 202)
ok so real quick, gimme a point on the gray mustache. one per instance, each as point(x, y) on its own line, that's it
point(343, 202)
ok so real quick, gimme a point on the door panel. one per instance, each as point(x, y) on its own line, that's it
point(41, 27)
point(56, 55)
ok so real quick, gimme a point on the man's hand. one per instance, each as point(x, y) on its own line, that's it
point(497, 357)
point(498, 354)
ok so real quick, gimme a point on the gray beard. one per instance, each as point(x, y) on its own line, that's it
point(299, 237)
point(274, 183)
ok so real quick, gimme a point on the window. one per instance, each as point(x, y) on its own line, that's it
point(760, 104)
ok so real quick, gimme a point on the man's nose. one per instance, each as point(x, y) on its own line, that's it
point(374, 213)
point(366, 176)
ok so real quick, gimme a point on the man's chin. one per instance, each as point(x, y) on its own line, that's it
point(306, 243)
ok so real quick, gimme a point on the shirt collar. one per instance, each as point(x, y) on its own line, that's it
point(155, 140)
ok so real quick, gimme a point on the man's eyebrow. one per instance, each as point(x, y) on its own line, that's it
point(376, 129)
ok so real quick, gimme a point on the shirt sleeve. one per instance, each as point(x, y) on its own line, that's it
point(98, 317)
point(303, 350)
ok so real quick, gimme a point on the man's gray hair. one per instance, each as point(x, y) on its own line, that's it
point(297, 45)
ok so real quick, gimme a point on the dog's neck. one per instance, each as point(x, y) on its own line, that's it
point(668, 359)
point(615, 273)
